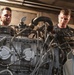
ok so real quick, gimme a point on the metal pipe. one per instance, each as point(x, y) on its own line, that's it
point(24, 4)
point(31, 4)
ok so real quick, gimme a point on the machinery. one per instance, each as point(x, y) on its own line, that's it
point(32, 50)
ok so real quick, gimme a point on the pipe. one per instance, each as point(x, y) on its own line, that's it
point(31, 5)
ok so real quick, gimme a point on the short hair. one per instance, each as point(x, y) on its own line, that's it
point(66, 11)
point(6, 8)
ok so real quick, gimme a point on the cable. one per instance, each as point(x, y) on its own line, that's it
point(6, 70)
point(39, 63)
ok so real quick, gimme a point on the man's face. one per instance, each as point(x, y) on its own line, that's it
point(6, 17)
point(63, 20)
